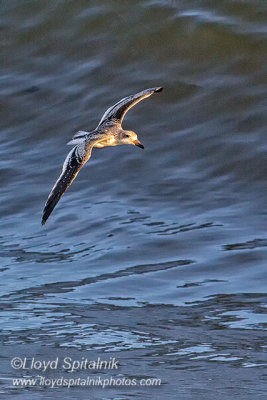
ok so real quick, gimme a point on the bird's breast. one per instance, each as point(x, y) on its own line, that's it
point(106, 142)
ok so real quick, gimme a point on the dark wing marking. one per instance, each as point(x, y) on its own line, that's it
point(119, 109)
point(75, 160)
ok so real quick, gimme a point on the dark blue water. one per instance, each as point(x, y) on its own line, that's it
point(155, 257)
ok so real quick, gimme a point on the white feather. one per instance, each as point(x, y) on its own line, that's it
point(76, 141)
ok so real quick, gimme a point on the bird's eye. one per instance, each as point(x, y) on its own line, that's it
point(127, 136)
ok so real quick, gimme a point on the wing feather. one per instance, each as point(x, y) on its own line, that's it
point(118, 110)
point(75, 160)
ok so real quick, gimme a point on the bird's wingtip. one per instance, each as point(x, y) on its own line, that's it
point(159, 89)
point(44, 217)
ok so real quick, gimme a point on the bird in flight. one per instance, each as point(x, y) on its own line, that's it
point(109, 132)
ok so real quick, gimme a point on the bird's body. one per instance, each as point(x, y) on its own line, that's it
point(109, 132)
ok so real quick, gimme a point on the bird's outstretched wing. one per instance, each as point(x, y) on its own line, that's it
point(75, 160)
point(119, 109)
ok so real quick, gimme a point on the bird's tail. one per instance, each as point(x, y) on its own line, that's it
point(79, 137)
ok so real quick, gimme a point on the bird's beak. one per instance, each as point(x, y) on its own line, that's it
point(137, 143)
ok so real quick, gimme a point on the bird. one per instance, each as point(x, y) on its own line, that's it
point(109, 132)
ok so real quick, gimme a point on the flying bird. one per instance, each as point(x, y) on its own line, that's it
point(109, 132)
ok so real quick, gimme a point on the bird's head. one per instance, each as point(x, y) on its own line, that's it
point(130, 137)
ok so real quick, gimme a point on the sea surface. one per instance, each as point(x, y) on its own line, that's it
point(155, 258)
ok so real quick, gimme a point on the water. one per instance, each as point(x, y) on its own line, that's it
point(156, 258)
